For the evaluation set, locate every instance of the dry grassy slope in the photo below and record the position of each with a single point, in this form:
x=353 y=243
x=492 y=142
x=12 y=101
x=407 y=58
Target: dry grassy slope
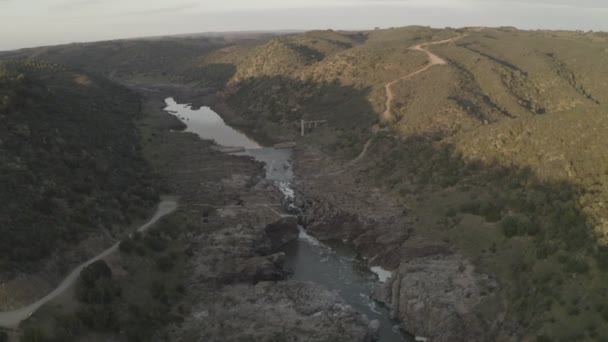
x=523 y=100
x=288 y=55
x=495 y=75
x=568 y=146
x=522 y=72
x=510 y=99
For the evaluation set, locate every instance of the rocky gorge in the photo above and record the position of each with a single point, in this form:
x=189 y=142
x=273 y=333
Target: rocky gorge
x=237 y=283
x=435 y=291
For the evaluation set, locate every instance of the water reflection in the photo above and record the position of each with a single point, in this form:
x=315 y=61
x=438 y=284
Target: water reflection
x=209 y=125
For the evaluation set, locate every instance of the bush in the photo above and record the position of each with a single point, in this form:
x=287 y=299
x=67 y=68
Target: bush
x=33 y=335
x=104 y=291
x=3 y=336
x=491 y=212
x=155 y=243
x=159 y=292
x=126 y=246
x=543 y=338
x=574 y=311
x=98 y=317
x=451 y=212
x=601 y=258
x=96 y=284
x=471 y=207
x=93 y=272
x=514 y=225
x=510 y=226
x=576 y=265
x=165 y=263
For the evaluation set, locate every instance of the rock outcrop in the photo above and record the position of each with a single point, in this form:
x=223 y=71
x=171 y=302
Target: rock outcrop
x=269 y=311
x=281 y=232
x=434 y=291
x=439 y=296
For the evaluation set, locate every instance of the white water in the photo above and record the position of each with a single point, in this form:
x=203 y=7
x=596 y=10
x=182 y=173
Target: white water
x=383 y=275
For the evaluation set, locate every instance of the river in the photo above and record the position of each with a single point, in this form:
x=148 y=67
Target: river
x=334 y=265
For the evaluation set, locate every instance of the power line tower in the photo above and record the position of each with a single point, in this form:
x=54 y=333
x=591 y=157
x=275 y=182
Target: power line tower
x=309 y=124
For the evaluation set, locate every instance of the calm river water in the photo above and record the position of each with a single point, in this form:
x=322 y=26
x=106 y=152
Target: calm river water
x=334 y=265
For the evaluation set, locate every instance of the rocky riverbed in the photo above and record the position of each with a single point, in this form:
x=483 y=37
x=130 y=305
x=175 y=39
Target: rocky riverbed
x=237 y=288
x=434 y=290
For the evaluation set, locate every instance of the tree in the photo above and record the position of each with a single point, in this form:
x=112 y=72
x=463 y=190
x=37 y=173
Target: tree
x=96 y=284
x=93 y=272
x=126 y=246
x=165 y=263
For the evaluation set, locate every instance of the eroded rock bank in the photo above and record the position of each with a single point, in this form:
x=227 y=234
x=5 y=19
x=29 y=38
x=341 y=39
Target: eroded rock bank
x=237 y=288
x=434 y=290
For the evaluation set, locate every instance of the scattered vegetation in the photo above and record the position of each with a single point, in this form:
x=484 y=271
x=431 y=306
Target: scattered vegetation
x=132 y=307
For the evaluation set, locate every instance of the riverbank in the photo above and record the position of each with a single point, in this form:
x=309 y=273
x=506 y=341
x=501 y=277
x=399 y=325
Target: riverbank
x=235 y=274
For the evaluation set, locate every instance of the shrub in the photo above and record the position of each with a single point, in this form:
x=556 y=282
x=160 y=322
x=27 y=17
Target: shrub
x=126 y=246
x=165 y=263
x=573 y=311
x=451 y=212
x=514 y=225
x=602 y=258
x=155 y=243
x=471 y=207
x=576 y=265
x=98 y=317
x=104 y=291
x=96 y=284
x=99 y=269
x=33 y=335
x=510 y=226
x=492 y=212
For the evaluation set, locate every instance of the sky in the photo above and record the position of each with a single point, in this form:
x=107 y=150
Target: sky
x=27 y=23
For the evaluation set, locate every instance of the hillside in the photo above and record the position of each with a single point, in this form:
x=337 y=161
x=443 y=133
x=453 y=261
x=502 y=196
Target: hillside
x=167 y=58
x=500 y=152
x=70 y=165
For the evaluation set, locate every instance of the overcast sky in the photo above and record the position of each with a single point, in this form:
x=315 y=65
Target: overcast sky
x=25 y=23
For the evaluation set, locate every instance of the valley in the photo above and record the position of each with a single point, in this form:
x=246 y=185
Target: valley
x=469 y=163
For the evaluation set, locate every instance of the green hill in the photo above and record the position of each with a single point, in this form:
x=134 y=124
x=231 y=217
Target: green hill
x=70 y=160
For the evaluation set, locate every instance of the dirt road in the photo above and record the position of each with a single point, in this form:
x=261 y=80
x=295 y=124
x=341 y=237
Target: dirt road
x=387 y=116
x=11 y=319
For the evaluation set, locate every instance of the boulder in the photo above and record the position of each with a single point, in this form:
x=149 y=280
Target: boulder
x=281 y=232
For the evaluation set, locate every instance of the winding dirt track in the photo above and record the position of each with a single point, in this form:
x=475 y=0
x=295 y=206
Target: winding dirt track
x=387 y=116
x=11 y=319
